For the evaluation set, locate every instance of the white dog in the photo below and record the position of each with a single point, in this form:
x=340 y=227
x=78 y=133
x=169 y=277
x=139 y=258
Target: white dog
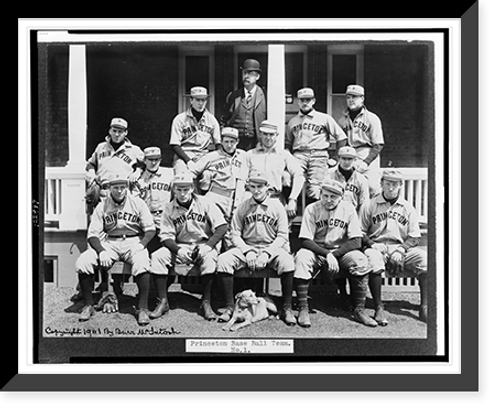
x=249 y=309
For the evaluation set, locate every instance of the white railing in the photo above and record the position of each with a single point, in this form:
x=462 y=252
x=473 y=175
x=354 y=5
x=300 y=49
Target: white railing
x=64 y=203
x=416 y=190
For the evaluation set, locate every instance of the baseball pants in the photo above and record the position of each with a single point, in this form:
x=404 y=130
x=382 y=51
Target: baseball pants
x=415 y=259
x=162 y=259
x=314 y=166
x=307 y=263
x=372 y=174
x=118 y=249
x=234 y=259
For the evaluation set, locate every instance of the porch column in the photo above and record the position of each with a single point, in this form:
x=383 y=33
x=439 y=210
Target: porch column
x=77 y=108
x=276 y=89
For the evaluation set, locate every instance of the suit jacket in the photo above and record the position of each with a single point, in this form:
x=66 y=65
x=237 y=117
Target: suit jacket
x=233 y=101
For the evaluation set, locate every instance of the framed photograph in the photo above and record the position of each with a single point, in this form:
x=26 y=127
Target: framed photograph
x=89 y=81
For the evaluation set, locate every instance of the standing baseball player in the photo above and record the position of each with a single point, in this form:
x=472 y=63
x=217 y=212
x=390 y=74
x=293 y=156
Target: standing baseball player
x=313 y=138
x=279 y=165
x=120 y=229
x=392 y=234
x=155 y=183
x=364 y=132
x=116 y=154
x=356 y=190
x=331 y=238
x=190 y=231
x=260 y=237
x=193 y=131
x=225 y=171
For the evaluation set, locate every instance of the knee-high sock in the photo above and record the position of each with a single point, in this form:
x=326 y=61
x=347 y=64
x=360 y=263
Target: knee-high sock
x=161 y=282
x=302 y=289
x=87 y=286
x=375 y=284
x=287 y=288
x=142 y=281
x=422 y=281
x=207 y=281
x=227 y=282
x=358 y=290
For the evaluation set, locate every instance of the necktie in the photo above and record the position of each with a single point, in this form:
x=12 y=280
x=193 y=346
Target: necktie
x=249 y=98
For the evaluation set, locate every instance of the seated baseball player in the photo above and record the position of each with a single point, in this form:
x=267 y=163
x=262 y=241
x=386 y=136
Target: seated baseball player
x=191 y=229
x=155 y=183
x=225 y=171
x=259 y=232
x=391 y=237
x=120 y=229
x=331 y=240
x=116 y=154
x=280 y=166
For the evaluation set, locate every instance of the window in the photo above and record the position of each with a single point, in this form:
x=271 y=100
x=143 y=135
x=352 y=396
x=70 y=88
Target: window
x=196 y=68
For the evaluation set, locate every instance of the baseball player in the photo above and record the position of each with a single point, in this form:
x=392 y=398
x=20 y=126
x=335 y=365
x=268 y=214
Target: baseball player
x=313 y=137
x=120 y=229
x=364 y=132
x=193 y=131
x=279 y=166
x=190 y=231
x=260 y=238
x=155 y=183
x=116 y=154
x=391 y=235
x=331 y=238
x=225 y=171
x=356 y=190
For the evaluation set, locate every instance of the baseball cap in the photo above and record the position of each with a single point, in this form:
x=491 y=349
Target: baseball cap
x=333 y=185
x=258 y=176
x=392 y=174
x=183 y=177
x=117 y=178
x=268 y=127
x=251 y=65
x=198 y=92
x=355 y=90
x=152 y=152
x=305 y=93
x=347 y=152
x=230 y=132
x=119 y=123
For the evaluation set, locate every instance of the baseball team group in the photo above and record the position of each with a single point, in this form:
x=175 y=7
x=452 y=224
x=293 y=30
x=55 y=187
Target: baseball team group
x=229 y=199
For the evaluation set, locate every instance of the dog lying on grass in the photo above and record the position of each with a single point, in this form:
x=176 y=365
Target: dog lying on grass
x=249 y=309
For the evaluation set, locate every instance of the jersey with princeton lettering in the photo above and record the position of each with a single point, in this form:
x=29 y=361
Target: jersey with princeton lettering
x=194 y=224
x=388 y=223
x=194 y=136
x=364 y=130
x=315 y=130
x=156 y=188
x=105 y=160
x=356 y=189
x=130 y=217
x=330 y=229
x=260 y=224
x=225 y=170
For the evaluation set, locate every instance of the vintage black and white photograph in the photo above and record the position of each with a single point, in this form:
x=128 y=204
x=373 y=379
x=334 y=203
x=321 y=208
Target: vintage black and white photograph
x=247 y=194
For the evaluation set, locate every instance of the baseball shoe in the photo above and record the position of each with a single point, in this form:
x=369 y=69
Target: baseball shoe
x=288 y=317
x=361 y=317
x=161 y=308
x=208 y=313
x=380 y=316
x=226 y=315
x=87 y=312
x=142 y=317
x=304 y=320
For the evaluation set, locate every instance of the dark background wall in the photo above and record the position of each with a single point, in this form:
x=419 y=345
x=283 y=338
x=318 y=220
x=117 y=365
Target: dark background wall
x=139 y=82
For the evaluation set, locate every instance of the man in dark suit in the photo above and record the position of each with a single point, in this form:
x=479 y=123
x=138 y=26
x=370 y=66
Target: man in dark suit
x=245 y=108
